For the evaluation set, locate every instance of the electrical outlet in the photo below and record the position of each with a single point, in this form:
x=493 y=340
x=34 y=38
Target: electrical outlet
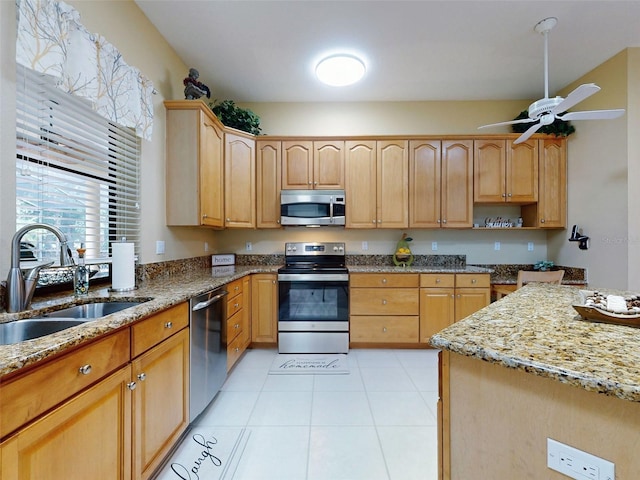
x=577 y=464
x=206 y=246
x=159 y=247
x=248 y=246
x=365 y=246
x=434 y=246
x=496 y=246
x=530 y=246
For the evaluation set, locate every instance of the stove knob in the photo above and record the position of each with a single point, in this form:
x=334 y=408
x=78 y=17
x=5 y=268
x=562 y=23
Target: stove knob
x=335 y=248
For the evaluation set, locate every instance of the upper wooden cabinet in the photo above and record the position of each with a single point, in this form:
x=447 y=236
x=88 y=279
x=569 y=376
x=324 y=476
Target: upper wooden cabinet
x=239 y=180
x=441 y=184
x=310 y=164
x=504 y=172
x=377 y=176
x=551 y=209
x=268 y=183
x=194 y=165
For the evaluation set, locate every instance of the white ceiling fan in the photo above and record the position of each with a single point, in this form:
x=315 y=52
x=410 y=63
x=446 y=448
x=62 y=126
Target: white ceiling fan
x=546 y=110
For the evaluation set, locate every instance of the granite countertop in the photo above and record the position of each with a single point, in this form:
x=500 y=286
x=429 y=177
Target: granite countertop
x=415 y=269
x=157 y=294
x=535 y=329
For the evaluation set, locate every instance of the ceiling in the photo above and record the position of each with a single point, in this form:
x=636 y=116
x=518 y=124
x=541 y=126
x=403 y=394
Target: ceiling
x=265 y=51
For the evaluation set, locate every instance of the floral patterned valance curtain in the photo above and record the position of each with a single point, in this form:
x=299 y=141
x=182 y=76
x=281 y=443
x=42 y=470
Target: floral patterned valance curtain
x=51 y=40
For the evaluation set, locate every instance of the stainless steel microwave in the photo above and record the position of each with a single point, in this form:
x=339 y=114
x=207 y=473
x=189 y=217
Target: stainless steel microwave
x=312 y=208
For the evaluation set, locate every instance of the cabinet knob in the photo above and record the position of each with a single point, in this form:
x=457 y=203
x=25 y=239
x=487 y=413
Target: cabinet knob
x=315 y=183
x=204 y=215
x=452 y=295
x=373 y=221
x=237 y=349
x=473 y=280
x=379 y=221
x=273 y=281
x=509 y=195
x=142 y=376
x=504 y=195
x=236 y=326
x=444 y=221
x=384 y=280
x=85 y=369
x=437 y=280
x=309 y=183
x=384 y=302
x=131 y=385
x=228 y=219
x=542 y=220
x=168 y=325
x=438 y=220
x=384 y=329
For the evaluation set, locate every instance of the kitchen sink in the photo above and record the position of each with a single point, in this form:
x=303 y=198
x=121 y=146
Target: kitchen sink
x=22 y=330
x=58 y=320
x=89 y=310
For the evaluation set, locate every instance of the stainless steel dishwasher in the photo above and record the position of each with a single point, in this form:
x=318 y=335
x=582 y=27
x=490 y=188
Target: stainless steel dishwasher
x=208 y=343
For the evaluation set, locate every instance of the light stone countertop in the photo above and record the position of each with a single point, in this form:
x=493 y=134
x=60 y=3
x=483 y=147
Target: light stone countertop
x=535 y=329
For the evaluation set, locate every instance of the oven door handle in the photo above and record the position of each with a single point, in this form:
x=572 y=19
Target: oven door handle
x=331 y=210
x=313 y=277
x=209 y=302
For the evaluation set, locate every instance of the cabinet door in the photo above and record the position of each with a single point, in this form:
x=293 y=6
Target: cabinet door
x=360 y=184
x=268 y=158
x=489 y=182
x=88 y=436
x=239 y=174
x=437 y=311
x=161 y=402
x=424 y=184
x=264 y=308
x=328 y=165
x=522 y=172
x=457 y=184
x=245 y=334
x=297 y=158
x=211 y=174
x=392 y=184
x=470 y=300
x=552 y=202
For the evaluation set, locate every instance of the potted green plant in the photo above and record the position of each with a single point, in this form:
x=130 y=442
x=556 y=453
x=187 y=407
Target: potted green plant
x=543 y=265
x=235 y=117
x=559 y=128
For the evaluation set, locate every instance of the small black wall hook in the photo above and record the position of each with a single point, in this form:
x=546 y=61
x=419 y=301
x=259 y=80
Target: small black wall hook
x=576 y=236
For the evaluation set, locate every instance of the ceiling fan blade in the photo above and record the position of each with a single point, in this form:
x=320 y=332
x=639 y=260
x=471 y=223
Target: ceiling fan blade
x=592 y=115
x=576 y=96
x=525 y=136
x=512 y=122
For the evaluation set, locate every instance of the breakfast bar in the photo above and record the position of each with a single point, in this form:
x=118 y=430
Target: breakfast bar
x=545 y=372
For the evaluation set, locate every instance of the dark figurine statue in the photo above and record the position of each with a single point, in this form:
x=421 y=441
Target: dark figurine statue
x=193 y=88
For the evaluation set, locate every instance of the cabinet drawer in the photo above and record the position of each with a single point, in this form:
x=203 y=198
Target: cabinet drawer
x=234 y=305
x=388 y=301
x=234 y=350
x=436 y=280
x=234 y=326
x=234 y=288
x=473 y=280
x=28 y=396
x=151 y=331
x=384 y=329
x=384 y=280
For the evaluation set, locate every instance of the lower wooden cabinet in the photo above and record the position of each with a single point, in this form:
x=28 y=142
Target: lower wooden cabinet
x=119 y=423
x=238 y=326
x=160 y=402
x=264 y=308
x=447 y=298
x=383 y=308
x=88 y=436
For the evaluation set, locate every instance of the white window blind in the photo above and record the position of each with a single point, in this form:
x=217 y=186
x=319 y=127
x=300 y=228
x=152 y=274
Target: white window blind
x=74 y=170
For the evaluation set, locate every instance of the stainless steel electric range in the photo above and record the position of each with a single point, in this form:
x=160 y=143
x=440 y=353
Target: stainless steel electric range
x=313 y=292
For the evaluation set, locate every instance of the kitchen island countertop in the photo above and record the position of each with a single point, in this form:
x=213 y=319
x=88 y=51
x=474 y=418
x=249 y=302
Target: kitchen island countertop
x=536 y=330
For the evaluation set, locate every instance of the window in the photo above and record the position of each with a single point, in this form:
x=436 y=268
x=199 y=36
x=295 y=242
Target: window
x=74 y=170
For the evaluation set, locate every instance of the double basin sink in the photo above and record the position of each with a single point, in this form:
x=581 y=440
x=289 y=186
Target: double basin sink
x=58 y=320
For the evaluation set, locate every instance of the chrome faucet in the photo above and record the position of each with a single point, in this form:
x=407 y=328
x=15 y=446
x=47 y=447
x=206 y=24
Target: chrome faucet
x=20 y=288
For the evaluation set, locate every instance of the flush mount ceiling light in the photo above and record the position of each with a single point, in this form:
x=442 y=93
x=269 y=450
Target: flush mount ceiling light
x=340 y=70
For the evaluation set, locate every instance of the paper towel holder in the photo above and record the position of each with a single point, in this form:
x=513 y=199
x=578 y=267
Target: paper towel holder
x=122 y=290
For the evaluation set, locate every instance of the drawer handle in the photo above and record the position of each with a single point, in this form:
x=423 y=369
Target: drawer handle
x=384 y=280
x=237 y=349
x=131 y=385
x=168 y=325
x=237 y=288
x=437 y=280
x=142 y=376
x=473 y=280
x=384 y=302
x=384 y=329
x=236 y=305
x=85 y=369
x=236 y=326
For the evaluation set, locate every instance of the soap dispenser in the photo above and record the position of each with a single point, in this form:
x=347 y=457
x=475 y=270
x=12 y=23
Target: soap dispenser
x=81 y=276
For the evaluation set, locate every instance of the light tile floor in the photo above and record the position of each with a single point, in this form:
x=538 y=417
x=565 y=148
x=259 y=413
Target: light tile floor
x=378 y=422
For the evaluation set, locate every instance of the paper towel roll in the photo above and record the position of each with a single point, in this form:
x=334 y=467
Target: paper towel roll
x=122 y=266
